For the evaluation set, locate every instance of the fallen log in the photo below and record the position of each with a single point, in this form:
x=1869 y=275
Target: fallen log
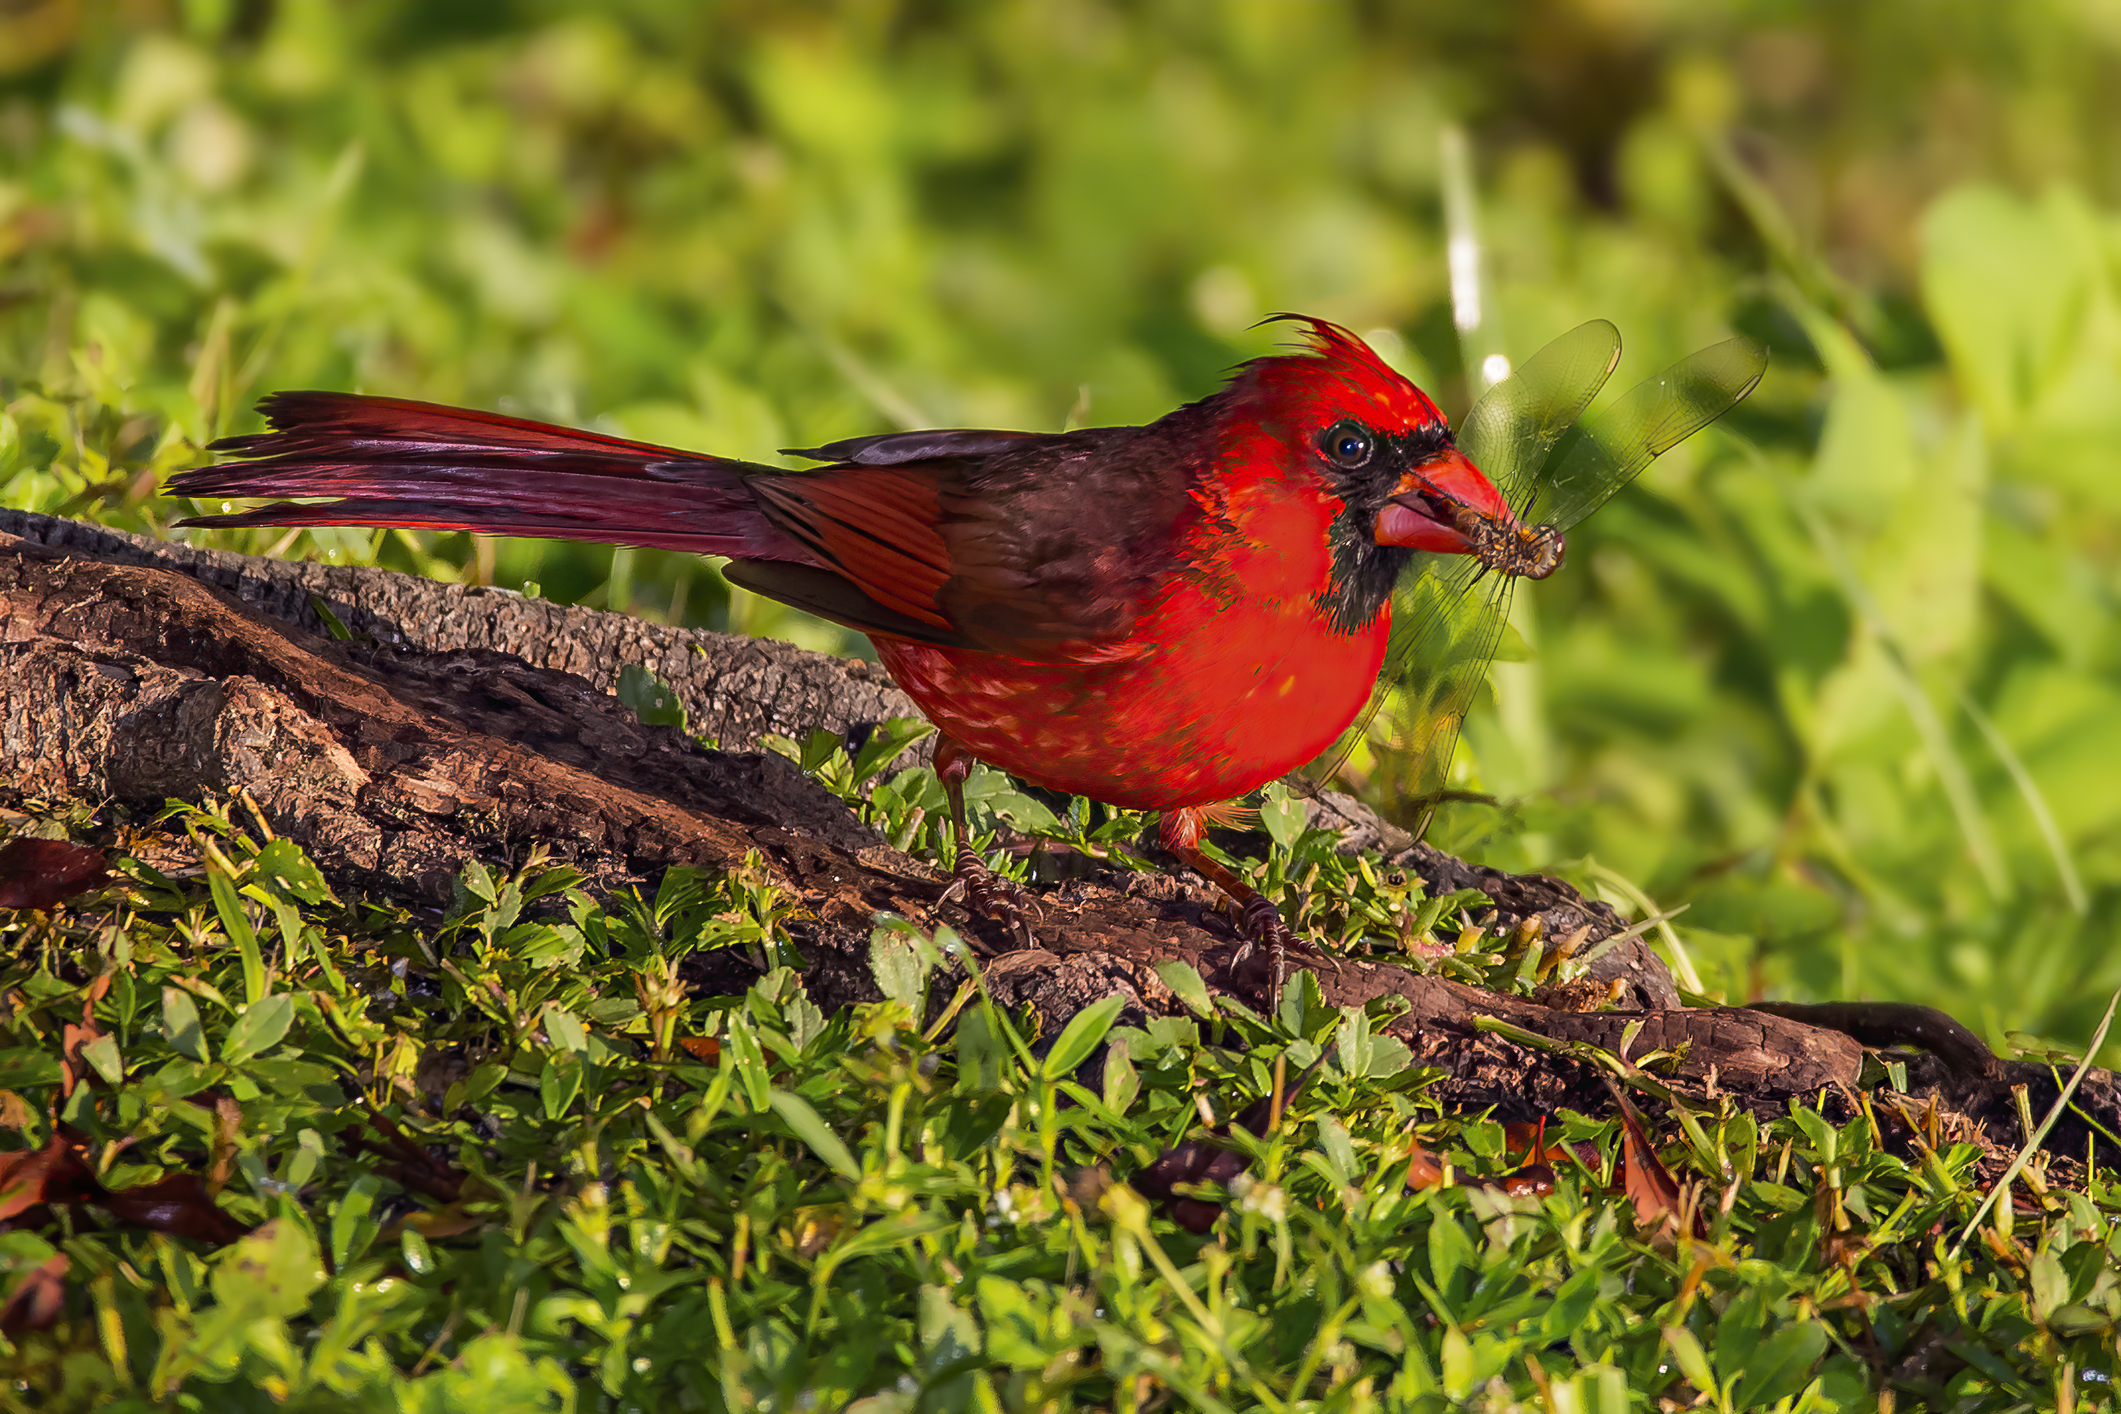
x=462 y=723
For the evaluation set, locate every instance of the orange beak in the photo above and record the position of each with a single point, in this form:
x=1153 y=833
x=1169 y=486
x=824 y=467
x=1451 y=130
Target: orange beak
x=1436 y=502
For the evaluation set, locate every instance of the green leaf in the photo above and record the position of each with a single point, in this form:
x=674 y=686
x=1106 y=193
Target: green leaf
x=477 y=882
x=1186 y=983
x=743 y=1052
x=1339 y=1150
x=982 y=1056
x=565 y=1029
x=2007 y=281
x=23 y=1068
x=290 y=873
x=1457 y=1360
x=650 y=698
x=269 y=1273
x=796 y=1113
x=333 y=624
x=1826 y=1140
x=290 y=920
x=1433 y=910
x=818 y=748
x=549 y=945
x=1282 y=815
x=1688 y=1355
x=1302 y=1004
x=891 y=1234
x=1084 y=1031
x=474 y=1087
x=559 y=1083
x=1027 y=813
x=418 y=1254
x=1781 y=1365
x=229 y=905
x=887 y=742
x=2048 y=1283
x=1122 y=1081
x=1738 y=1329
x=102 y=1053
x=180 y=1018
x=901 y=971
x=2075 y=1321
x=1388 y=1057
x=1450 y=1253
x=1354 y=1042
x=1510 y=646
x=1012 y=1325
x=259 y=1028
x=294 y=1078
x=351 y=1227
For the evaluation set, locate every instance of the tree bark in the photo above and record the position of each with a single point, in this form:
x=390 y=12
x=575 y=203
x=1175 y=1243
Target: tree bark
x=463 y=722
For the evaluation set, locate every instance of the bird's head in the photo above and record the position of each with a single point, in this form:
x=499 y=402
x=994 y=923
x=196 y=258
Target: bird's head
x=1386 y=454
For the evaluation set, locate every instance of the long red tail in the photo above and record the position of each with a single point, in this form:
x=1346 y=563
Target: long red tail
x=397 y=463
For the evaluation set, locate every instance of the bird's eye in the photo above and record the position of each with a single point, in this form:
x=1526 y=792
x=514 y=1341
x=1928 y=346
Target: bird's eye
x=1347 y=445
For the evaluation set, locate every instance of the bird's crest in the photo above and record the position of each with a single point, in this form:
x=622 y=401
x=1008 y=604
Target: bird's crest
x=1384 y=397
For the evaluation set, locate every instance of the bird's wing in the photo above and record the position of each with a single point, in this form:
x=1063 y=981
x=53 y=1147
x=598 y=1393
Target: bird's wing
x=1047 y=547
x=898 y=448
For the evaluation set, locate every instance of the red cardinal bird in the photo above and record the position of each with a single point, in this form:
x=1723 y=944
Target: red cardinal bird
x=1162 y=617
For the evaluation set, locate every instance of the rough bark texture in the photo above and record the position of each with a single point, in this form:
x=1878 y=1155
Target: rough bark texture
x=475 y=723
x=736 y=689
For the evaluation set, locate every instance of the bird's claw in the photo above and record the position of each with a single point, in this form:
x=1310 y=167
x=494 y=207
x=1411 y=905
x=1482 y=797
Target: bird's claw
x=1264 y=959
x=989 y=895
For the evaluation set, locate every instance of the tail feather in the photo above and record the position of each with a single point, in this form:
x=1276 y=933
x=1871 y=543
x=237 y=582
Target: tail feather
x=398 y=463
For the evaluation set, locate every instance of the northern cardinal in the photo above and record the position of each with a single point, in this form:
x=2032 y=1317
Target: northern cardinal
x=1162 y=618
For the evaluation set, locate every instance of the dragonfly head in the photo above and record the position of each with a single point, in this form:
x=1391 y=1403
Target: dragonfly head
x=1443 y=504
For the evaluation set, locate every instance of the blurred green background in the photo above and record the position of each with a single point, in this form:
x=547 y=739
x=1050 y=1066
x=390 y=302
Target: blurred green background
x=1841 y=673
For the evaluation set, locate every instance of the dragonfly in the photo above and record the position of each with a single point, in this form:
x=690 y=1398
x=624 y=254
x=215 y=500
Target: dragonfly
x=1555 y=466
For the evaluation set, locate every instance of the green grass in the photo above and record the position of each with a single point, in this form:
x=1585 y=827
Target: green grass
x=507 y=1156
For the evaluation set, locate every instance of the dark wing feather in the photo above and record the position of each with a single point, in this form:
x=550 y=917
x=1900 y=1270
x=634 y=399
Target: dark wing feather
x=1049 y=548
x=898 y=448
x=1066 y=544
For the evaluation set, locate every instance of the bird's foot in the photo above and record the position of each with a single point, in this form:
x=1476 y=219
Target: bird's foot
x=989 y=895
x=1263 y=961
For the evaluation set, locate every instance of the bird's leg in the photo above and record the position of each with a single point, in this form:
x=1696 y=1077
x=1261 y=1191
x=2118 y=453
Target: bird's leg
x=985 y=893
x=1179 y=832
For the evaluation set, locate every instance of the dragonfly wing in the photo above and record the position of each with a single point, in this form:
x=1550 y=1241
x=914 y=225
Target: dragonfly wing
x=1442 y=634
x=1520 y=434
x=1515 y=424
x=1608 y=450
x=1444 y=631
x=1454 y=629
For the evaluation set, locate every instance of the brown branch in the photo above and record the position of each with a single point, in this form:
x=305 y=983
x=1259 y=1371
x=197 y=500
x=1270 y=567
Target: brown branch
x=475 y=723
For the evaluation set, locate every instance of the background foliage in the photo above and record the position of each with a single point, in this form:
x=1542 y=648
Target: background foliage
x=1842 y=674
